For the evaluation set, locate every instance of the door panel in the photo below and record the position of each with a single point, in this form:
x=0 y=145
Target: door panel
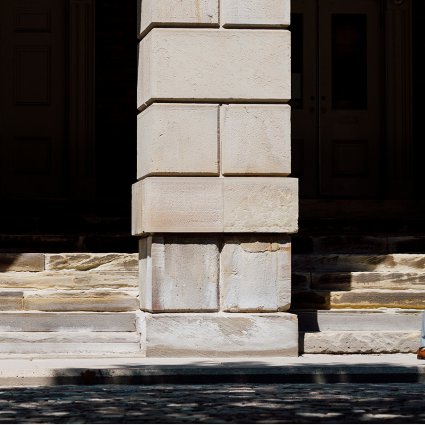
x=33 y=94
x=337 y=126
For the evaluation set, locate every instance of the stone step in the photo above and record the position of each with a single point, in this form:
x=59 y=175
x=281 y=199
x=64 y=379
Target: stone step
x=67 y=322
x=72 y=300
x=358 y=299
x=359 y=342
x=359 y=320
x=399 y=263
x=69 y=342
x=358 y=244
x=345 y=281
x=63 y=280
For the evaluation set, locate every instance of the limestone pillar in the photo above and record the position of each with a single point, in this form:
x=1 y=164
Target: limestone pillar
x=213 y=205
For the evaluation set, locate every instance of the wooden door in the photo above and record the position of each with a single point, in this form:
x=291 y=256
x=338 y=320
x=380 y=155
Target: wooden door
x=47 y=102
x=32 y=91
x=337 y=95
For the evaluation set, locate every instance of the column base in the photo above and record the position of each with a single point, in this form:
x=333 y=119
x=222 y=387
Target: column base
x=219 y=335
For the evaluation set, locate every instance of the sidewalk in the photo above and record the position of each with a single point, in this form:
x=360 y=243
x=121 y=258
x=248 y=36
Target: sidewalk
x=52 y=370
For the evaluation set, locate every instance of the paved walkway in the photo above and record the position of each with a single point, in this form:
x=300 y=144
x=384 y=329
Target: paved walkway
x=220 y=403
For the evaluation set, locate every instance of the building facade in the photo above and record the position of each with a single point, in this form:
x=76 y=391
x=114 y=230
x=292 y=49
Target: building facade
x=275 y=165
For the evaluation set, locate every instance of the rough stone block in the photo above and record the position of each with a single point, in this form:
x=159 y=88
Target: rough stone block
x=177 y=204
x=67 y=322
x=177 y=139
x=221 y=335
x=266 y=13
x=11 y=301
x=360 y=342
x=260 y=204
x=172 y=12
x=208 y=204
x=81 y=301
x=255 y=274
x=179 y=273
x=21 y=262
x=92 y=262
x=256 y=139
x=221 y=65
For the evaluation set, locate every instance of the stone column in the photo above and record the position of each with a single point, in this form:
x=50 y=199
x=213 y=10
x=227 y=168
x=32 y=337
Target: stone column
x=213 y=205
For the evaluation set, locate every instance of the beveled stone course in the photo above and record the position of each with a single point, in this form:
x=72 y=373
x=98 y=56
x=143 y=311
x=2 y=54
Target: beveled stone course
x=221 y=335
x=179 y=273
x=256 y=139
x=178 y=139
x=264 y=13
x=255 y=274
x=178 y=13
x=220 y=65
x=213 y=205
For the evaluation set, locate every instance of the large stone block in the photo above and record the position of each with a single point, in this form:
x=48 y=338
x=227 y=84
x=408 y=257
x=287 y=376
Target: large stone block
x=177 y=139
x=266 y=13
x=177 y=12
x=260 y=204
x=209 y=204
x=221 y=335
x=190 y=64
x=179 y=273
x=177 y=205
x=255 y=274
x=256 y=139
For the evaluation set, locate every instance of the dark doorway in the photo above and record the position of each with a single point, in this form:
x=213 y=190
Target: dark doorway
x=68 y=127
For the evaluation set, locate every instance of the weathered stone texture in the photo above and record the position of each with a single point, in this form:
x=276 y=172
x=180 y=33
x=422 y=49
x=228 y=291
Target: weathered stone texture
x=81 y=301
x=71 y=281
x=179 y=273
x=92 y=262
x=213 y=335
x=260 y=204
x=240 y=13
x=11 y=301
x=360 y=342
x=171 y=12
x=256 y=139
x=67 y=322
x=220 y=65
x=255 y=274
x=21 y=262
x=177 y=139
x=204 y=205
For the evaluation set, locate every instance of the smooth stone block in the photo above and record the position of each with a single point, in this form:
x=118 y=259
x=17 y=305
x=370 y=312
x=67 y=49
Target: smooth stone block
x=255 y=274
x=256 y=139
x=179 y=273
x=177 y=139
x=221 y=335
x=210 y=204
x=177 y=205
x=260 y=204
x=174 y=12
x=191 y=64
x=266 y=13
